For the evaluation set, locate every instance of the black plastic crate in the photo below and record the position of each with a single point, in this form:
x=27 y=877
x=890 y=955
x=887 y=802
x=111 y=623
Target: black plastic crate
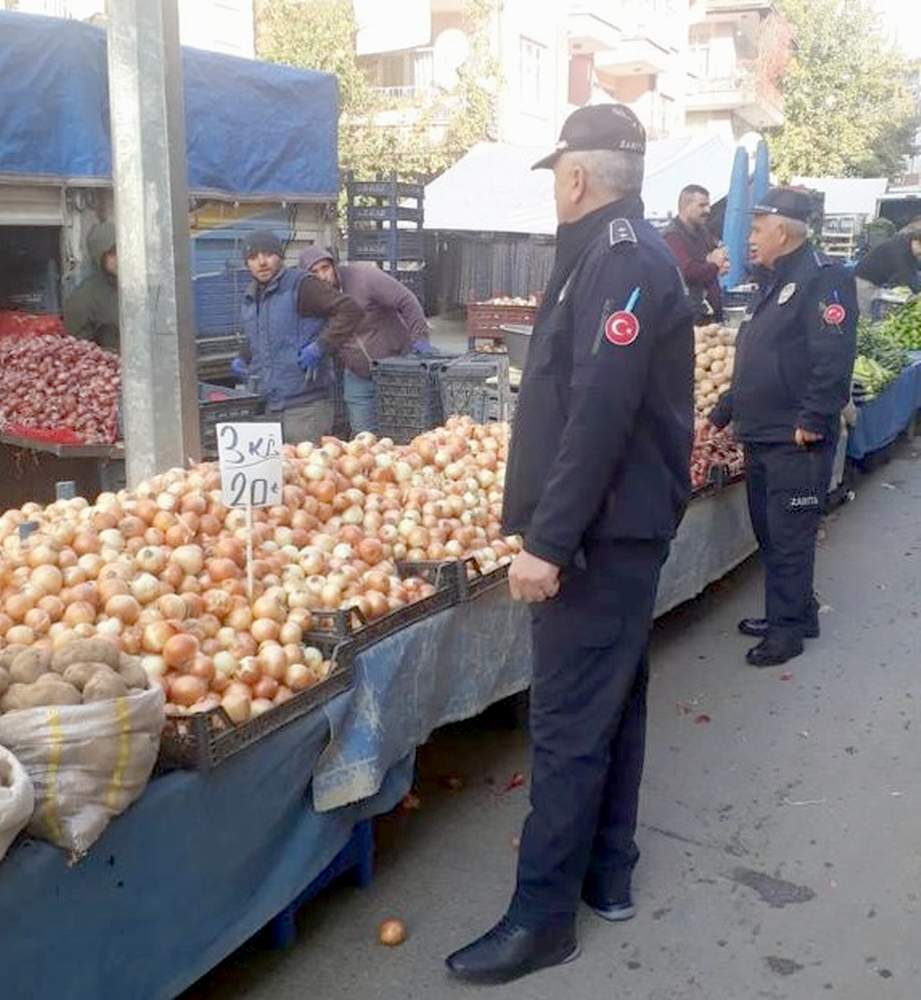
x=469 y=579
x=337 y=626
x=236 y=405
x=386 y=245
x=476 y=385
x=408 y=396
x=414 y=280
x=385 y=189
x=385 y=213
x=202 y=741
x=741 y=297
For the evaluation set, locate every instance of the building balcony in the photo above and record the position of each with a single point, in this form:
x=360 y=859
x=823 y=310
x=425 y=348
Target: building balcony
x=633 y=57
x=755 y=101
x=592 y=28
x=406 y=94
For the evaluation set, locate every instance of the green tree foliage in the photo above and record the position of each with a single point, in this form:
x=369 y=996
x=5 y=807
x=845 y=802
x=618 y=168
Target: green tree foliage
x=377 y=136
x=849 y=111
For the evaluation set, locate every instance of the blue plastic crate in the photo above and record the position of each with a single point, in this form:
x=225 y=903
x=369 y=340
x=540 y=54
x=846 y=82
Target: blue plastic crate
x=356 y=859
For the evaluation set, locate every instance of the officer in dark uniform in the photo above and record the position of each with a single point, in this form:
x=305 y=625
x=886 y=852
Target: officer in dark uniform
x=597 y=482
x=792 y=377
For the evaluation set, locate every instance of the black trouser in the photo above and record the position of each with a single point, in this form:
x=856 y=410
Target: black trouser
x=787 y=492
x=588 y=729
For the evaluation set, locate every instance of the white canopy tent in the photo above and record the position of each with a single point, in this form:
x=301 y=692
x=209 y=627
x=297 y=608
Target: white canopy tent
x=493 y=189
x=847 y=195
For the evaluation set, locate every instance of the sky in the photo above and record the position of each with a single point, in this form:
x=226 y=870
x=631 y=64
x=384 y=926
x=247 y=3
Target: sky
x=903 y=20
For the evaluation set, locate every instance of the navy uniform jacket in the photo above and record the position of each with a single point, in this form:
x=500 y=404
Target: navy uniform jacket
x=795 y=355
x=604 y=423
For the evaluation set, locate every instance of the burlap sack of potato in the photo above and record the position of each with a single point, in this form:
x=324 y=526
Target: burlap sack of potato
x=87 y=763
x=16 y=799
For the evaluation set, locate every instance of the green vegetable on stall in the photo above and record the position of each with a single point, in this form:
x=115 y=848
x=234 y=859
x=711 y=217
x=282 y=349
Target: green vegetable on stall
x=880 y=344
x=870 y=378
x=904 y=325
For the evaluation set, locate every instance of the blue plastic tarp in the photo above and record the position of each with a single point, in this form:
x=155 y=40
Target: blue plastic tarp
x=253 y=129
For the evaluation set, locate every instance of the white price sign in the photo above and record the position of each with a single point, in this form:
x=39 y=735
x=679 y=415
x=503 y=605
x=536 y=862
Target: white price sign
x=251 y=467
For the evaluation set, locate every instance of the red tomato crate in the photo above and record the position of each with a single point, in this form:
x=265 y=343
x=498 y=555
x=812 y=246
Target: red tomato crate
x=485 y=319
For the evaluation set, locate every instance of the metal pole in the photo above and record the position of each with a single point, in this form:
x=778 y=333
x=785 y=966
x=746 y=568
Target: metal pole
x=160 y=399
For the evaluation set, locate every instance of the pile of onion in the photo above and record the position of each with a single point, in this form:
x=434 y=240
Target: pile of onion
x=163 y=568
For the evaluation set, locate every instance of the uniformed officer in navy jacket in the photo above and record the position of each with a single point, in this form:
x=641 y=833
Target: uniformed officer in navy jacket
x=597 y=482
x=792 y=378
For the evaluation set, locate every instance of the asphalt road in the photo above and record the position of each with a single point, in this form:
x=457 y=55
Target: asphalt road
x=780 y=821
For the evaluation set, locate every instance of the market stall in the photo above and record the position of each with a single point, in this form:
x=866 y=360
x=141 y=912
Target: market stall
x=887 y=380
x=434 y=652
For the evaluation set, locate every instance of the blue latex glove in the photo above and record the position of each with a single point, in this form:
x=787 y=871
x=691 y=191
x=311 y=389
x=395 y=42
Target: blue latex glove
x=240 y=368
x=423 y=347
x=310 y=356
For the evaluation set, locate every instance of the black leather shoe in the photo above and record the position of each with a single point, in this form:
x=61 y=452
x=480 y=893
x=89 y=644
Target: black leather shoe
x=771 y=652
x=614 y=910
x=510 y=951
x=758 y=628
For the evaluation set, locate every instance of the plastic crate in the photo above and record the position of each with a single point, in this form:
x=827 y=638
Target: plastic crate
x=353 y=627
x=356 y=860
x=385 y=213
x=386 y=244
x=408 y=396
x=477 y=386
x=486 y=319
x=202 y=741
x=234 y=405
x=470 y=580
x=740 y=297
x=385 y=189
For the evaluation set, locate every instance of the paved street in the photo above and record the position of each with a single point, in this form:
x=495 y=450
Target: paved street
x=781 y=814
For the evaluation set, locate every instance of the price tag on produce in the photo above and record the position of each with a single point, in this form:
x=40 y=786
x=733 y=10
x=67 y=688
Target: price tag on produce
x=250 y=461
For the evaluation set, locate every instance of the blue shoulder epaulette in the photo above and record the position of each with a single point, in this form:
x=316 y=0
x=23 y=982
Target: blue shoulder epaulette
x=621 y=231
x=821 y=259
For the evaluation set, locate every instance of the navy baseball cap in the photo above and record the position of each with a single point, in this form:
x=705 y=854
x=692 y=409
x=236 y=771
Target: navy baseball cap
x=600 y=126
x=794 y=203
x=262 y=241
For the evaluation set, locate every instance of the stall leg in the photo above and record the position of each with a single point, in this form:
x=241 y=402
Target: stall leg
x=355 y=859
x=364 y=844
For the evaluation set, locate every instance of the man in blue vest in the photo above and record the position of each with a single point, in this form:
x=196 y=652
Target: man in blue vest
x=294 y=323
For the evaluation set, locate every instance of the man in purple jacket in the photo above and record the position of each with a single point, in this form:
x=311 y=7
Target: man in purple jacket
x=394 y=324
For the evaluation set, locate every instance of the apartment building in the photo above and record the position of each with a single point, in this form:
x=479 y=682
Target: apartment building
x=737 y=52
x=682 y=65
x=411 y=50
x=224 y=26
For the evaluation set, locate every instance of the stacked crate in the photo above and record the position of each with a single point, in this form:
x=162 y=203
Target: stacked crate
x=385 y=228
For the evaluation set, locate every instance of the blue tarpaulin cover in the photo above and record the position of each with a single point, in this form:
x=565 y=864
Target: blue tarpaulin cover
x=253 y=129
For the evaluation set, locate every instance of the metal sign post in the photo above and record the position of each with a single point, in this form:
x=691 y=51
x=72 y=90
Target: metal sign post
x=156 y=321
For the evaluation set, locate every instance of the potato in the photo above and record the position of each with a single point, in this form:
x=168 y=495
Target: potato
x=4 y=680
x=10 y=653
x=104 y=687
x=716 y=368
x=79 y=674
x=131 y=671
x=29 y=665
x=85 y=651
x=49 y=689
